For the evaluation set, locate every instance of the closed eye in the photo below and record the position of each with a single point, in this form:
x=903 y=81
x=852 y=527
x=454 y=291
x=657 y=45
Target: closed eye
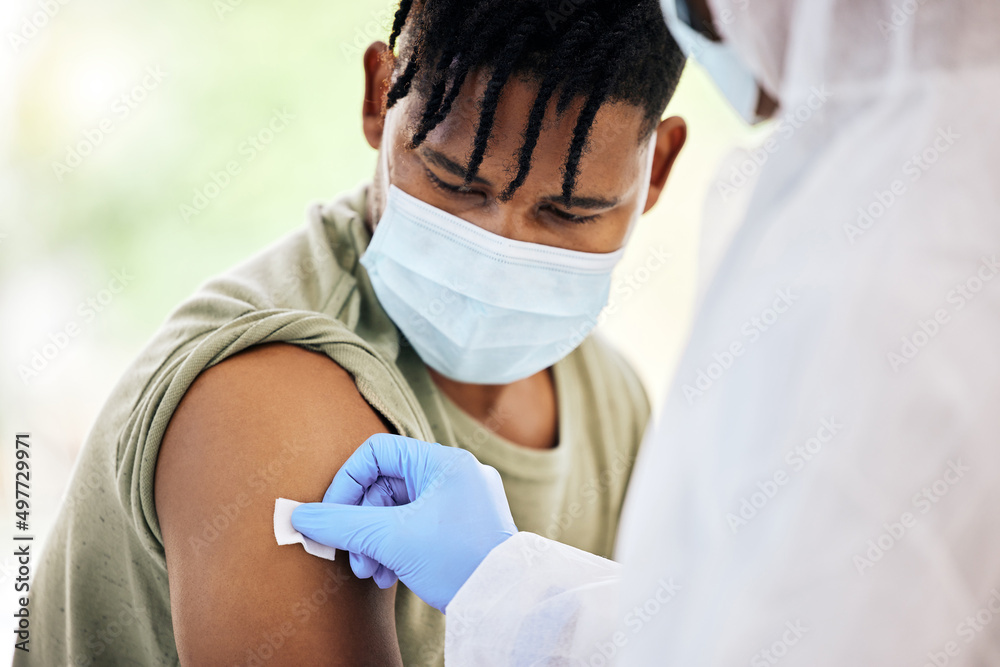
x=448 y=187
x=569 y=217
x=462 y=190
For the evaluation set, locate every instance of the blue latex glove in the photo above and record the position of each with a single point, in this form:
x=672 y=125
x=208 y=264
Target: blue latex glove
x=426 y=513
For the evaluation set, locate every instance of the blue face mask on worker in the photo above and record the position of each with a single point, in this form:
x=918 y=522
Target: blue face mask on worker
x=721 y=62
x=478 y=307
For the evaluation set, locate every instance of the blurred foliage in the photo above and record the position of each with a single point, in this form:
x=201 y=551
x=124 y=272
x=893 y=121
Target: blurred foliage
x=226 y=66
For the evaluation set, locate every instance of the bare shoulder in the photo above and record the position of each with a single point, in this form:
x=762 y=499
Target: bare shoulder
x=273 y=421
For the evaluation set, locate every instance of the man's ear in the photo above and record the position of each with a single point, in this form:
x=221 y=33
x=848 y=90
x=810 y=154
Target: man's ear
x=378 y=71
x=671 y=134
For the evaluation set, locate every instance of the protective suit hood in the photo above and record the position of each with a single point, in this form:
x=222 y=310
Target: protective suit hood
x=858 y=48
x=818 y=488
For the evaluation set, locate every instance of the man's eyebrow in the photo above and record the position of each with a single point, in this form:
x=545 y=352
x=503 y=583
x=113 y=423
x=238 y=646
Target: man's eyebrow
x=583 y=202
x=449 y=165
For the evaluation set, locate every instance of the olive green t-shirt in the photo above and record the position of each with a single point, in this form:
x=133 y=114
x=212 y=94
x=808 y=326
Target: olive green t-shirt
x=101 y=593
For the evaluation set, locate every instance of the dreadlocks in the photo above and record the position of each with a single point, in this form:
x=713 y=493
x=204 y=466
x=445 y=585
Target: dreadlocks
x=600 y=50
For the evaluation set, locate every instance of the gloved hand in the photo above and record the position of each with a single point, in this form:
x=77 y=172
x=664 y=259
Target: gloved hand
x=433 y=513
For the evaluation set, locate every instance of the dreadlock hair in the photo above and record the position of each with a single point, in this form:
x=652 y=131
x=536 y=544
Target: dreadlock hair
x=599 y=50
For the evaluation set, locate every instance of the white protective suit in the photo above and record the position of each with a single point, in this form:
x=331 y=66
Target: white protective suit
x=823 y=487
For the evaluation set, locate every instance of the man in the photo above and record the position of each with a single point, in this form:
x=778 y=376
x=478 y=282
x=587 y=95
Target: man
x=518 y=144
x=820 y=487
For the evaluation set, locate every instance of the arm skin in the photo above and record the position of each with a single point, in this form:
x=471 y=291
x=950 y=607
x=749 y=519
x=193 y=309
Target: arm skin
x=273 y=421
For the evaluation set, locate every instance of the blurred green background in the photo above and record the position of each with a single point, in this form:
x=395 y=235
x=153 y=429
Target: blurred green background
x=114 y=116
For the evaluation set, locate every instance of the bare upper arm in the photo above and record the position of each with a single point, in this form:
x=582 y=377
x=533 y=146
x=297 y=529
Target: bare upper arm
x=275 y=420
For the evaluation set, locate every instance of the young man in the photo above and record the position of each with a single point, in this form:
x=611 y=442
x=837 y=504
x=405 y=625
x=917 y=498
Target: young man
x=518 y=144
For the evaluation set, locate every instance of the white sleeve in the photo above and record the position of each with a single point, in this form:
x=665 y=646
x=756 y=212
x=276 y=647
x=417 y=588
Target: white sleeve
x=533 y=601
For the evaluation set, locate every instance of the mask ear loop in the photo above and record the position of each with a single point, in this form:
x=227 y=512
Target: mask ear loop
x=383 y=157
x=646 y=174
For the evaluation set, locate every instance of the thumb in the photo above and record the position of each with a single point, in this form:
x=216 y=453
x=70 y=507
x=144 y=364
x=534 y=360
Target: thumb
x=350 y=528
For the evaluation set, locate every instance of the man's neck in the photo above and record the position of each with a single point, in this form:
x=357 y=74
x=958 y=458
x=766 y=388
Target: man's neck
x=524 y=412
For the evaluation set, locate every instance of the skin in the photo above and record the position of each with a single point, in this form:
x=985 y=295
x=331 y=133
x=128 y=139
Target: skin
x=609 y=171
x=273 y=421
x=279 y=421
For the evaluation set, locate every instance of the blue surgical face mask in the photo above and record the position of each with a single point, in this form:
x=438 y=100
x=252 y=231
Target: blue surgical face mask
x=478 y=307
x=733 y=78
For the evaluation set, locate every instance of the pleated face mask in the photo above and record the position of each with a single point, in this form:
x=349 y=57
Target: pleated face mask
x=720 y=60
x=478 y=307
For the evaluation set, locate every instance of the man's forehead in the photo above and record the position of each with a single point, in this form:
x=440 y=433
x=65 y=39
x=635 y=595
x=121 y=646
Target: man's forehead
x=607 y=169
x=584 y=200
x=617 y=125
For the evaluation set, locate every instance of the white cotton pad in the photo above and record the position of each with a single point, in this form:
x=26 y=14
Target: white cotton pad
x=286 y=534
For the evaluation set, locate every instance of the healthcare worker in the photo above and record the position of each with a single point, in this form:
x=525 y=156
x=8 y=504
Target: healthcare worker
x=822 y=486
